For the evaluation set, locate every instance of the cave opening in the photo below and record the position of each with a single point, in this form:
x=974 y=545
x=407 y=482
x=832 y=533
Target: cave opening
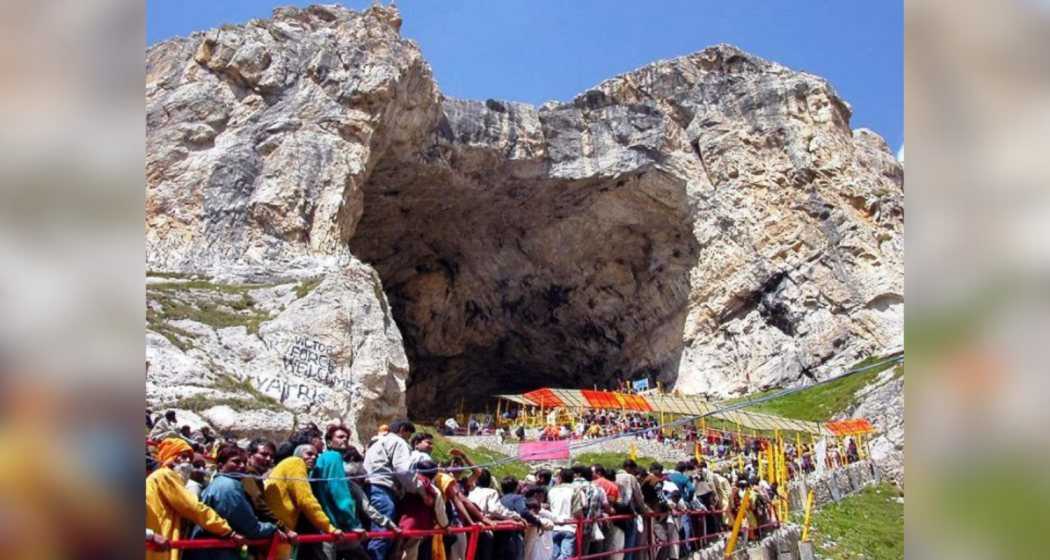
x=503 y=279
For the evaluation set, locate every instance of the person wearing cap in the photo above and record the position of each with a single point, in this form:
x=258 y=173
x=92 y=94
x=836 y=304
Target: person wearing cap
x=168 y=502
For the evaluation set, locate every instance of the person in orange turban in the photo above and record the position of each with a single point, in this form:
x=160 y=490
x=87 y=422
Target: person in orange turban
x=171 y=448
x=168 y=501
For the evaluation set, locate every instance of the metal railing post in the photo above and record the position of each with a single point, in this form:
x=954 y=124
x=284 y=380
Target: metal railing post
x=472 y=541
x=650 y=536
x=648 y=550
x=579 y=536
x=271 y=551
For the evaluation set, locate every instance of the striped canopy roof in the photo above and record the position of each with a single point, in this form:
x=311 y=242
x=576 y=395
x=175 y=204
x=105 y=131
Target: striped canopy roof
x=671 y=404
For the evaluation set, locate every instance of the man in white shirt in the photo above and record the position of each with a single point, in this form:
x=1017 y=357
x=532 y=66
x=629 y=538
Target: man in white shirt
x=487 y=499
x=566 y=504
x=630 y=501
x=422 y=444
x=451 y=425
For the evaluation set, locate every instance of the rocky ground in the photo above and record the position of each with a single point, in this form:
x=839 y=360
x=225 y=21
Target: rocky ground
x=367 y=247
x=882 y=402
x=261 y=352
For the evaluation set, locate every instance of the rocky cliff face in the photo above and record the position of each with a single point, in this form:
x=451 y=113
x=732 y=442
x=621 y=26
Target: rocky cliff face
x=711 y=219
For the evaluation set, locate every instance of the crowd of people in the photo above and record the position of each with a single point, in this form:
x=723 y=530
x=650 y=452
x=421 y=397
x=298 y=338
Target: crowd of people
x=714 y=444
x=200 y=485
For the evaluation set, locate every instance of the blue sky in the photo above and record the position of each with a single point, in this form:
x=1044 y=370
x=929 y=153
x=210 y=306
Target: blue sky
x=538 y=50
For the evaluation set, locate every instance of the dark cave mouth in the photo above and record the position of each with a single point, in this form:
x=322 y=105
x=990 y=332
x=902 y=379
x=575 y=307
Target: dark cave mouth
x=503 y=285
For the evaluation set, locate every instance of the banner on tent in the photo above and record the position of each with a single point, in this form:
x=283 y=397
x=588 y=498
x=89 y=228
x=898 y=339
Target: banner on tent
x=544 y=450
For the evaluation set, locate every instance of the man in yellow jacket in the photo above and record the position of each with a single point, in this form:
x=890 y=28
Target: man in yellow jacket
x=168 y=502
x=288 y=493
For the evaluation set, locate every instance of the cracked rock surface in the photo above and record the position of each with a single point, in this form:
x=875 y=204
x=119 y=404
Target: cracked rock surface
x=711 y=220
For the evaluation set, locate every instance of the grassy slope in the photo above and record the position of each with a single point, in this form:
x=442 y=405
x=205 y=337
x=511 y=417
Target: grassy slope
x=816 y=404
x=615 y=460
x=821 y=403
x=868 y=525
x=480 y=455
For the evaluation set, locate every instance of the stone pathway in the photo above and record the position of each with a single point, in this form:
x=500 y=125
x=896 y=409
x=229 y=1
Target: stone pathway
x=667 y=453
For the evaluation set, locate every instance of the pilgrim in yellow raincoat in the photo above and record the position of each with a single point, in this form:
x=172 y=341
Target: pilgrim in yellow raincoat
x=288 y=492
x=168 y=503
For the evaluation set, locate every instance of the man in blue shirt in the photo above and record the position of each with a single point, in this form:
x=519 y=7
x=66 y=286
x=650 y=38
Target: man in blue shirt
x=332 y=488
x=226 y=496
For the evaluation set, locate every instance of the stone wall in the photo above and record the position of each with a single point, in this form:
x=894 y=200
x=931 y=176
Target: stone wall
x=832 y=486
x=782 y=544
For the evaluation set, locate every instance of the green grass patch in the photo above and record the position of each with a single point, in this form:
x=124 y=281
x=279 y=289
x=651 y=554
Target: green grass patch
x=227 y=382
x=200 y=403
x=173 y=275
x=614 y=461
x=822 y=402
x=199 y=284
x=253 y=399
x=181 y=338
x=443 y=445
x=869 y=524
x=306 y=286
x=226 y=312
x=519 y=469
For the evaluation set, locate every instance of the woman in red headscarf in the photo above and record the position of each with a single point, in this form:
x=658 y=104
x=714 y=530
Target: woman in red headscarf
x=168 y=501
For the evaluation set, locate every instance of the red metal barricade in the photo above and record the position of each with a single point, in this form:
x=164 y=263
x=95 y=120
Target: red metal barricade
x=474 y=531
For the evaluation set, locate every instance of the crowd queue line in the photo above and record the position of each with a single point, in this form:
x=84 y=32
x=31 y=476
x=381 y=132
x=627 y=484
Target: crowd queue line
x=316 y=496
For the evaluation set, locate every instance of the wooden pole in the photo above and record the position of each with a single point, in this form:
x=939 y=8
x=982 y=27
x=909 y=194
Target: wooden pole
x=769 y=473
x=798 y=453
x=805 y=521
x=731 y=544
x=782 y=488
